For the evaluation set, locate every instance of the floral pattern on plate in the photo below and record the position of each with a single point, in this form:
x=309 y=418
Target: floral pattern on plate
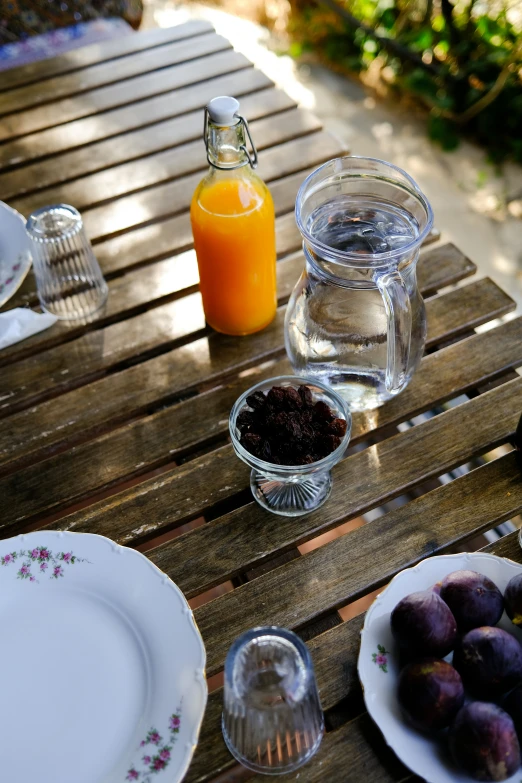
x=157 y=758
x=380 y=659
x=42 y=560
x=11 y=274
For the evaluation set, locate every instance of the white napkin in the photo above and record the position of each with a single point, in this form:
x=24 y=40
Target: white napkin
x=20 y=323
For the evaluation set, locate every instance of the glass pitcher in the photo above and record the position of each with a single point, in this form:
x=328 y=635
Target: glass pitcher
x=356 y=319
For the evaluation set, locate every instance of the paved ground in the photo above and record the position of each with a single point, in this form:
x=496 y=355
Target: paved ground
x=475 y=206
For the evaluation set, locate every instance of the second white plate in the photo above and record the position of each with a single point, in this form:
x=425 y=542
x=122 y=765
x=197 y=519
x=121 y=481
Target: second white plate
x=378 y=661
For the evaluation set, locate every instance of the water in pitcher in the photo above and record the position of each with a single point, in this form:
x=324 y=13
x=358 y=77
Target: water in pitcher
x=337 y=331
x=362 y=226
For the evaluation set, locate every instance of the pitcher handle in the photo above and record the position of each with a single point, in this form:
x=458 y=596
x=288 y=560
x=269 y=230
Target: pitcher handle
x=398 y=311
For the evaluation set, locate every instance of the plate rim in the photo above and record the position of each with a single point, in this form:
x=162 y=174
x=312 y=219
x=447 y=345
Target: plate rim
x=201 y=678
x=401 y=752
x=14 y=212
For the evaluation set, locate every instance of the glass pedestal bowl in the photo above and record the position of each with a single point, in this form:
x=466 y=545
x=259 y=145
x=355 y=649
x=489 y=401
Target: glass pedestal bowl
x=291 y=490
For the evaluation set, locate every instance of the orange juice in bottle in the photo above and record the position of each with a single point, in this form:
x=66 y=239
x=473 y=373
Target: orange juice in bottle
x=232 y=215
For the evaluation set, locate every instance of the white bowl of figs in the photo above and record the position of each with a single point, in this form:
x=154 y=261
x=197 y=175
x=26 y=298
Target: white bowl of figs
x=441 y=668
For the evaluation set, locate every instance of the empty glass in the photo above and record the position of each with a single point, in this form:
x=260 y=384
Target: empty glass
x=272 y=718
x=68 y=277
x=356 y=319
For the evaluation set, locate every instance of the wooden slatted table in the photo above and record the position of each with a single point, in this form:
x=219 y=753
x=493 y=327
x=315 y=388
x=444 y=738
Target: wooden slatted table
x=119 y=426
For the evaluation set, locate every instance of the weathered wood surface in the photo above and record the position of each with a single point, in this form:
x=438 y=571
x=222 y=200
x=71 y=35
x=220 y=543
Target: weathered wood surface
x=93 y=191
x=224 y=69
x=86 y=408
x=167 y=78
x=157 y=330
x=116 y=71
x=98 y=53
x=140 y=446
x=37 y=431
x=129 y=147
x=393 y=467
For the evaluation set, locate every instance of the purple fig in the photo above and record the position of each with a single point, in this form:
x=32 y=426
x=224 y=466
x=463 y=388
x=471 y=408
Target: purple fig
x=484 y=743
x=489 y=660
x=473 y=598
x=513 y=599
x=430 y=693
x=513 y=706
x=424 y=626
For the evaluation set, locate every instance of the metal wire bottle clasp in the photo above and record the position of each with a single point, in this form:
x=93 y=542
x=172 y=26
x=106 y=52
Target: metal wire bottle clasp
x=252 y=159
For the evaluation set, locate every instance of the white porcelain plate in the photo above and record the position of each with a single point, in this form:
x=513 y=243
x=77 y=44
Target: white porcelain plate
x=15 y=252
x=378 y=661
x=102 y=668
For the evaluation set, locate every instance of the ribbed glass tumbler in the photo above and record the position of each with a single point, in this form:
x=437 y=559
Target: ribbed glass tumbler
x=68 y=277
x=272 y=717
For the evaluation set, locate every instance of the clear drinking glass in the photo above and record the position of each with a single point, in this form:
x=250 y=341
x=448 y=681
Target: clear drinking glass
x=68 y=277
x=356 y=319
x=272 y=718
x=291 y=490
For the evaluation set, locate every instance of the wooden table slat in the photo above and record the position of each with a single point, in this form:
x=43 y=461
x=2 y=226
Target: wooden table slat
x=171 y=236
x=56 y=88
x=100 y=52
x=165 y=200
x=197 y=486
x=210 y=51
x=232 y=72
x=131 y=146
x=36 y=431
x=165 y=238
x=91 y=194
x=160 y=285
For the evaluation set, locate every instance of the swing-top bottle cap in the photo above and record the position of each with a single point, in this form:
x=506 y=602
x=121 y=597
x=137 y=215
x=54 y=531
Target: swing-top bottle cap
x=223 y=110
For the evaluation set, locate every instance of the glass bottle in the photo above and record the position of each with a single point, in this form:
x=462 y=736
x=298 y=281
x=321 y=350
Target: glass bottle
x=233 y=223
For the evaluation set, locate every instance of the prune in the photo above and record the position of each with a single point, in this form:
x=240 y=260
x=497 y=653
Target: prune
x=245 y=419
x=251 y=442
x=293 y=400
x=322 y=412
x=325 y=444
x=483 y=742
x=307 y=432
x=513 y=599
x=287 y=428
x=256 y=400
x=265 y=451
x=306 y=396
x=276 y=397
x=489 y=660
x=430 y=693
x=337 y=427
x=423 y=625
x=306 y=414
x=473 y=598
